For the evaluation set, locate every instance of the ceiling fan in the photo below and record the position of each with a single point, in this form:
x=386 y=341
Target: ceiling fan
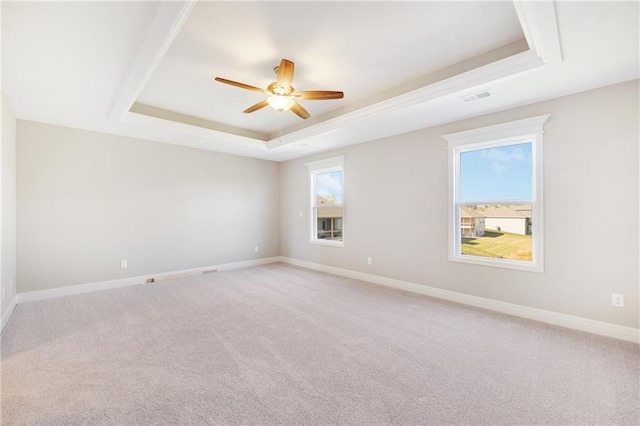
x=282 y=94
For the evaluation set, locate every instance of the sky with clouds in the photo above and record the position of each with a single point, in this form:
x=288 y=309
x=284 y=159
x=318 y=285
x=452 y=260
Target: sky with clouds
x=329 y=185
x=503 y=173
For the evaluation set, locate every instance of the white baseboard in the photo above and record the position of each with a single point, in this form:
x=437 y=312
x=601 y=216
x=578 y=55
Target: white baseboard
x=7 y=314
x=569 y=321
x=32 y=296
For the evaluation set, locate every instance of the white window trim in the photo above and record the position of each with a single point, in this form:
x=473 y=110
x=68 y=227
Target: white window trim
x=529 y=129
x=323 y=166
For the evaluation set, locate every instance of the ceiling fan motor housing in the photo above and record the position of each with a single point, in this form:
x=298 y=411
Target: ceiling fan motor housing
x=280 y=90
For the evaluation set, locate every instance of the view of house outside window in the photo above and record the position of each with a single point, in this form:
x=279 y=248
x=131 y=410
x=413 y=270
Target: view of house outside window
x=496 y=195
x=327 y=201
x=329 y=205
x=495 y=202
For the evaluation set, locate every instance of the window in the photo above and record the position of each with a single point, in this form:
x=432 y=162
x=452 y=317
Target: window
x=495 y=195
x=327 y=201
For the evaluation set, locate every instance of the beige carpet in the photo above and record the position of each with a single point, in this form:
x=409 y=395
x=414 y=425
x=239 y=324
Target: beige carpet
x=277 y=344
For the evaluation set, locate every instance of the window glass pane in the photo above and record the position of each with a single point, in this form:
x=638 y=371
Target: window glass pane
x=329 y=188
x=329 y=223
x=502 y=173
x=498 y=231
x=495 y=202
x=327 y=199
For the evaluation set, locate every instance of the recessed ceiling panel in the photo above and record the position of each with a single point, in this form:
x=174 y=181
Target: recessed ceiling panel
x=360 y=48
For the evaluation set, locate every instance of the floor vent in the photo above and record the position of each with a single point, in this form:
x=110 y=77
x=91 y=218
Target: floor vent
x=176 y=276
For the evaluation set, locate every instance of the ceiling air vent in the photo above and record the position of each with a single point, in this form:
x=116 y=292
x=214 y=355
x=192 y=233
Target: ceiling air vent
x=479 y=95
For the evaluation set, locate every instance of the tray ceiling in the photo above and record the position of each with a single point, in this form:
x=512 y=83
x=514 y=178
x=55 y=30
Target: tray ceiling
x=146 y=69
x=362 y=49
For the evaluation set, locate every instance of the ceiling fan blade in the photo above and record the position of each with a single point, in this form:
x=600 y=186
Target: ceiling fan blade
x=299 y=111
x=256 y=107
x=241 y=85
x=285 y=73
x=318 y=95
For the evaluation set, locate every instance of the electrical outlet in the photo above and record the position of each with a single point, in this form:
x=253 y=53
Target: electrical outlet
x=617 y=300
x=256 y=249
x=123 y=263
x=369 y=261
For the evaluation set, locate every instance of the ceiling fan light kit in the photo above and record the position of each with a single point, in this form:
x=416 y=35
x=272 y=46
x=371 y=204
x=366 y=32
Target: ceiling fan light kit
x=280 y=102
x=282 y=94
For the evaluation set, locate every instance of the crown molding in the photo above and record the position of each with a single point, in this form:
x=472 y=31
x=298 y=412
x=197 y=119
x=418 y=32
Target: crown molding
x=200 y=130
x=167 y=24
x=483 y=75
x=541 y=46
x=540 y=27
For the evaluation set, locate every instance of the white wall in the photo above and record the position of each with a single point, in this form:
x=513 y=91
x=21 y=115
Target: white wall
x=87 y=200
x=591 y=178
x=8 y=207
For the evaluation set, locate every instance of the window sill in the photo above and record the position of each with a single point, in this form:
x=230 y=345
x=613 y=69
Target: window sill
x=499 y=263
x=329 y=243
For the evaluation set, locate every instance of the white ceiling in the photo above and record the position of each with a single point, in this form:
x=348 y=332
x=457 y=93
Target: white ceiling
x=146 y=69
x=358 y=48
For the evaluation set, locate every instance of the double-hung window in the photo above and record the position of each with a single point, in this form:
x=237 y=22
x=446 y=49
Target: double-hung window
x=495 y=195
x=327 y=201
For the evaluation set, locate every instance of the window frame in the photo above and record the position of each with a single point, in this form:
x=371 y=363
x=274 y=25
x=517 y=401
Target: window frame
x=505 y=134
x=315 y=168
